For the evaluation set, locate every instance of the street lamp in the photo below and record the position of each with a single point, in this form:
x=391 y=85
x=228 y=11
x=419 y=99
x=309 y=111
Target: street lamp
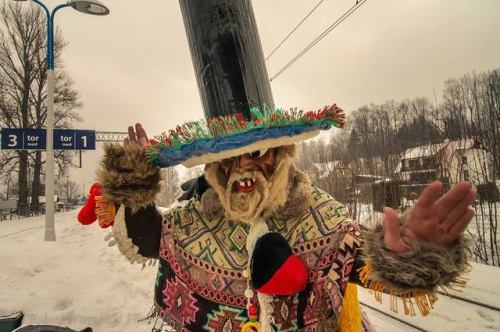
x=93 y=7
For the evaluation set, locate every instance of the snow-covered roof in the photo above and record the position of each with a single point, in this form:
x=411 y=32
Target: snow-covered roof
x=370 y=178
x=447 y=147
x=422 y=151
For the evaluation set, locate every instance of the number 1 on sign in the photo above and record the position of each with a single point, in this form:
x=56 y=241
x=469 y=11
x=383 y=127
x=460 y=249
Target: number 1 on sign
x=84 y=139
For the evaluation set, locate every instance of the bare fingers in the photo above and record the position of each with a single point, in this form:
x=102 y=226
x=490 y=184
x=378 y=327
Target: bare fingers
x=458 y=210
x=392 y=232
x=142 y=137
x=449 y=200
x=461 y=223
x=426 y=200
x=131 y=135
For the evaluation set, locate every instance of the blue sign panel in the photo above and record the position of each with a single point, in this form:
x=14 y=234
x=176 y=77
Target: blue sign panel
x=64 y=139
x=12 y=139
x=35 y=139
x=85 y=140
x=24 y=139
x=69 y=139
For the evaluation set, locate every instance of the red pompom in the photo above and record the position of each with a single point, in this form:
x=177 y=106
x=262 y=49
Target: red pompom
x=87 y=214
x=290 y=279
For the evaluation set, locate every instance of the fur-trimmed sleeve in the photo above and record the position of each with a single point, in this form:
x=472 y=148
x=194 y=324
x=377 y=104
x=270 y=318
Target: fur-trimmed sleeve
x=415 y=275
x=126 y=177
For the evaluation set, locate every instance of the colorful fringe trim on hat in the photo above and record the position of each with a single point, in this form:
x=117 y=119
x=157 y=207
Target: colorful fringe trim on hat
x=233 y=131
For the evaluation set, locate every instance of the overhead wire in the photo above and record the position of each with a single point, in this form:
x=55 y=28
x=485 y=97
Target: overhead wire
x=335 y=24
x=294 y=29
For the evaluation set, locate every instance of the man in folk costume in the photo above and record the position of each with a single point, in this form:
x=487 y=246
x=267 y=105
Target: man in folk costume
x=258 y=247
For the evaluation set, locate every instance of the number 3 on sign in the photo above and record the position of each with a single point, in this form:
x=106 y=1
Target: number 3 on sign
x=12 y=141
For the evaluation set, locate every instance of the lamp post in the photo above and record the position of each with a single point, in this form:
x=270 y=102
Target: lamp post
x=93 y=7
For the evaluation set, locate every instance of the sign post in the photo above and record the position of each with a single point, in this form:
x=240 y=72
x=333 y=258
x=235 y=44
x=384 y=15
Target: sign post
x=48 y=140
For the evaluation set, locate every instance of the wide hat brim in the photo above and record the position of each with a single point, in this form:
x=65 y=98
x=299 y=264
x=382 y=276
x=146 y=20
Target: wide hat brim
x=198 y=143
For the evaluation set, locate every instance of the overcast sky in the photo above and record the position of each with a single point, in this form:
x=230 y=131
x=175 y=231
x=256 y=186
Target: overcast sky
x=134 y=65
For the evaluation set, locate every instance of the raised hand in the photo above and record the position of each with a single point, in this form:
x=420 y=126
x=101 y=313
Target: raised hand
x=434 y=219
x=137 y=136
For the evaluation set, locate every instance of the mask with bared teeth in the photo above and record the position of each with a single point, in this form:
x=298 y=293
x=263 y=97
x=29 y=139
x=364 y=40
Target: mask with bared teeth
x=252 y=184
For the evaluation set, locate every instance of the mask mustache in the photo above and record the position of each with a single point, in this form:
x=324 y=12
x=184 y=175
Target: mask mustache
x=235 y=176
x=247 y=206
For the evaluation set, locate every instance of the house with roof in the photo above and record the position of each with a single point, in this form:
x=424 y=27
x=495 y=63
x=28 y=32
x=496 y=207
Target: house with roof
x=449 y=161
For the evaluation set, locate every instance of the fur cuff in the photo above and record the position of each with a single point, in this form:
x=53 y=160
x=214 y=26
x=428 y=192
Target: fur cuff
x=127 y=177
x=425 y=267
x=413 y=276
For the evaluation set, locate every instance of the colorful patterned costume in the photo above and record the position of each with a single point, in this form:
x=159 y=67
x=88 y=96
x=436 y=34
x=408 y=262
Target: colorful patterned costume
x=200 y=283
x=202 y=258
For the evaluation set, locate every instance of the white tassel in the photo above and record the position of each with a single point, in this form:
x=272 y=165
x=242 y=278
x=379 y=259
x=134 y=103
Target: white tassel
x=266 y=312
x=257 y=229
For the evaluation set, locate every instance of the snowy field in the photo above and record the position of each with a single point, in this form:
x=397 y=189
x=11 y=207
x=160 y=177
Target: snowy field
x=79 y=281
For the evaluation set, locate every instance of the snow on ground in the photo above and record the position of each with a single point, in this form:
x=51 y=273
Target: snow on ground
x=79 y=281
x=448 y=314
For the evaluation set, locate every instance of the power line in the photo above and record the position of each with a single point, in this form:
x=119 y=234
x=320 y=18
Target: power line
x=294 y=29
x=321 y=36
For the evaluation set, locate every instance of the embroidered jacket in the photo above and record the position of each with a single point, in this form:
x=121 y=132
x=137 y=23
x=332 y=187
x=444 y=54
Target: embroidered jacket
x=200 y=284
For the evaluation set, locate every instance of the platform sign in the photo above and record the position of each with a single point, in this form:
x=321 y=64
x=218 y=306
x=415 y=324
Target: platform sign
x=85 y=140
x=70 y=139
x=64 y=139
x=12 y=139
x=23 y=139
x=35 y=139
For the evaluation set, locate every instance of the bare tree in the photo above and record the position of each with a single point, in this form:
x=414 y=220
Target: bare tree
x=170 y=186
x=459 y=140
x=23 y=76
x=472 y=110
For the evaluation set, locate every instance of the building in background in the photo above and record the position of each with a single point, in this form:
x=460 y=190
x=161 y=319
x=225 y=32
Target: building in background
x=449 y=161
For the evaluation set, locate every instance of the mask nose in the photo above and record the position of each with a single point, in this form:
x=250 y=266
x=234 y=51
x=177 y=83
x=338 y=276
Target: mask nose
x=246 y=163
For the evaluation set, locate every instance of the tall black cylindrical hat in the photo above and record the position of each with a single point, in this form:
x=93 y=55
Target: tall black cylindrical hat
x=227 y=56
x=240 y=116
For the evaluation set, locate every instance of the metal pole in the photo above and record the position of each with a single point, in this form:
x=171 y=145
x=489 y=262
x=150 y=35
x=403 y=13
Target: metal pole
x=67 y=192
x=50 y=233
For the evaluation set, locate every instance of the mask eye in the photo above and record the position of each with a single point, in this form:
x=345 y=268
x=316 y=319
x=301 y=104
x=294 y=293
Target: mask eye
x=259 y=153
